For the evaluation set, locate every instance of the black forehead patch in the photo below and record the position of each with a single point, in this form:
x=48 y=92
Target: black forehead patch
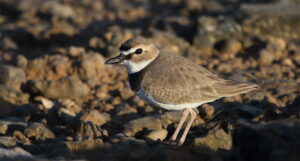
x=127 y=45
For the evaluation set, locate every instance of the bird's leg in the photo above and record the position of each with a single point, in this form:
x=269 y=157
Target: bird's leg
x=193 y=116
x=183 y=118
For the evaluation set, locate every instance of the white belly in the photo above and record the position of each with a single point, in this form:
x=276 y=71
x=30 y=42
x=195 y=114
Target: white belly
x=149 y=99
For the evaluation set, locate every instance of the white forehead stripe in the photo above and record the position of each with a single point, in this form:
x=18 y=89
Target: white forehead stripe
x=133 y=67
x=132 y=50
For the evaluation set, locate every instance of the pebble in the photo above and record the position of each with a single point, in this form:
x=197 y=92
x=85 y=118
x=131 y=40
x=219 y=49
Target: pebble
x=38 y=131
x=216 y=140
x=7 y=141
x=157 y=135
x=12 y=76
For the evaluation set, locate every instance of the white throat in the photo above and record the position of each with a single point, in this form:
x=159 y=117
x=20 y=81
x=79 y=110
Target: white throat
x=133 y=67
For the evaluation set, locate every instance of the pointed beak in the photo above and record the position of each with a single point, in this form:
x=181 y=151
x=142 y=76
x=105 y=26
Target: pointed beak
x=116 y=60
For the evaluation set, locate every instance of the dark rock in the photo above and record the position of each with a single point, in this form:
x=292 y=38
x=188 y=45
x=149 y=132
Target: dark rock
x=12 y=76
x=38 y=131
x=277 y=140
x=26 y=111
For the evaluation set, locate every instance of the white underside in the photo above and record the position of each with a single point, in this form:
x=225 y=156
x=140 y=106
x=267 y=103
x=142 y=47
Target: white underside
x=133 y=67
x=148 y=98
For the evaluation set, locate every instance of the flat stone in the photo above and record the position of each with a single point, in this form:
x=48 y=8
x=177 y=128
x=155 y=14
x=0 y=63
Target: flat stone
x=39 y=132
x=7 y=141
x=157 y=135
x=214 y=141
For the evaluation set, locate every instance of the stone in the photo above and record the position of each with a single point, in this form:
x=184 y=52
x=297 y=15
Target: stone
x=206 y=111
x=214 y=141
x=10 y=99
x=140 y=124
x=11 y=76
x=11 y=124
x=157 y=135
x=91 y=68
x=14 y=153
x=228 y=49
x=7 y=141
x=3 y=127
x=95 y=117
x=76 y=51
x=21 y=138
x=57 y=9
x=38 y=131
x=67 y=87
x=265 y=57
x=276 y=140
x=26 y=111
x=48 y=104
x=21 y=61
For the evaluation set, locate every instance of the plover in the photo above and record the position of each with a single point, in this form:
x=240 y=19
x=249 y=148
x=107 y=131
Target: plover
x=172 y=82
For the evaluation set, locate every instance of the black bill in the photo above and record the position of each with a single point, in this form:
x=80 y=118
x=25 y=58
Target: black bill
x=116 y=60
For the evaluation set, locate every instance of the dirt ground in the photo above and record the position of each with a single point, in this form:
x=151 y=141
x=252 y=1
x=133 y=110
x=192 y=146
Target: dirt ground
x=59 y=101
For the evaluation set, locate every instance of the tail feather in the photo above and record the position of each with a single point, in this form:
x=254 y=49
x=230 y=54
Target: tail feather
x=232 y=88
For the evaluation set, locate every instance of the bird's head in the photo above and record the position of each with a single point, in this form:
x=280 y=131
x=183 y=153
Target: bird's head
x=135 y=54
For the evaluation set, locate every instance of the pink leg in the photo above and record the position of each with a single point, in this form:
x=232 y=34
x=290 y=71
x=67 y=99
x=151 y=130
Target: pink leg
x=193 y=116
x=184 y=116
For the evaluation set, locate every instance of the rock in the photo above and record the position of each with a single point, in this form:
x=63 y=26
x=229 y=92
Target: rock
x=278 y=140
x=265 y=57
x=206 y=111
x=91 y=68
x=21 y=138
x=249 y=110
x=7 y=141
x=67 y=87
x=228 y=49
x=63 y=112
x=140 y=124
x=57 y=9
x=11 y=76
x=21 y=61
x=157 y=135
x=48 y=104
x=216 y=140
x=14 y=153
x=76 y=51
x=3 y=127
x=26 y=111
x=95 y=117
x=9 y=125
x=38 y=131
x=13 y=96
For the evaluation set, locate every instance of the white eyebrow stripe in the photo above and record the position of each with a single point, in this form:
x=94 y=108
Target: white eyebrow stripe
x=132 y=50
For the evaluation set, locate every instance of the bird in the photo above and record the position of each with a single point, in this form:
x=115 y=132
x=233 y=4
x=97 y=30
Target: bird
x=173 y=82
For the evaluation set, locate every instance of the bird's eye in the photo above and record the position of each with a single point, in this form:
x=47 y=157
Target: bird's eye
x=139 y=51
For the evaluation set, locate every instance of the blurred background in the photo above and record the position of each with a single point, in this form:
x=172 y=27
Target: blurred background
x=58 y=101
